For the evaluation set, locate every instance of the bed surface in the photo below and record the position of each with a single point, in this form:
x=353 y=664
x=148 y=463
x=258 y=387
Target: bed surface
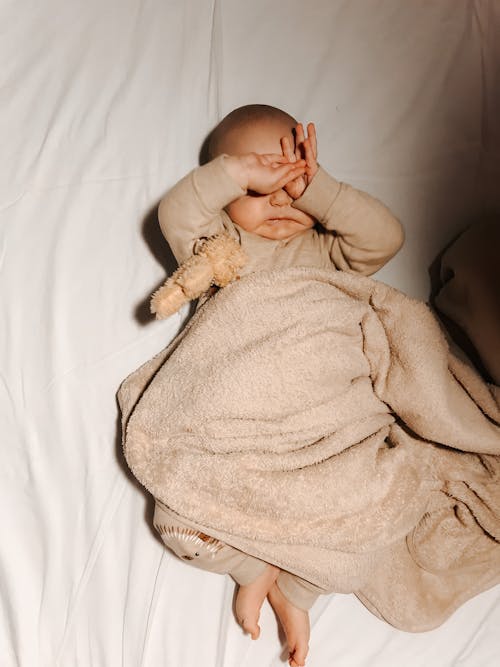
x=105 y=106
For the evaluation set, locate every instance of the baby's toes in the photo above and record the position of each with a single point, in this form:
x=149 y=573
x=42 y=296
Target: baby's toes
x=252 y=628
x=298 y=656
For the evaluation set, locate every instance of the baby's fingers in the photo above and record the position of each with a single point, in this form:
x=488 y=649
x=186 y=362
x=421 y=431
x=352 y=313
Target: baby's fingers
x=311 y=135
x=309 y=152
x=286 y=147
x=312 y=165
x=299 y=134
x=284 y=170
x=289 y=173
x=274 y=159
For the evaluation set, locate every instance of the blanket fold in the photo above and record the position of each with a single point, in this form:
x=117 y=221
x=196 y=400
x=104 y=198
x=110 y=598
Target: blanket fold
x=317 y=420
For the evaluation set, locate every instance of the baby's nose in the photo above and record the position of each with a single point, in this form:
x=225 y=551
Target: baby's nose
x=280 y=198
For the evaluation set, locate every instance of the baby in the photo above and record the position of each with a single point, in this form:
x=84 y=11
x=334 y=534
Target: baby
x=264 y=186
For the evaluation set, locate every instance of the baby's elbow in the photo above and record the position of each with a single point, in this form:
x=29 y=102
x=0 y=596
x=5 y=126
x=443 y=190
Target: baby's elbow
x=398 y=237
x=393 y=240
x=165 y=213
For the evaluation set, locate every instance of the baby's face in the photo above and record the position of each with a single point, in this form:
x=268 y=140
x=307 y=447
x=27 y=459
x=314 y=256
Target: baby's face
x=271 y=216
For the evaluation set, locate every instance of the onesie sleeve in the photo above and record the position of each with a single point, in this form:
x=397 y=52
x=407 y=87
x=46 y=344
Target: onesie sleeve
x=364 y=232
x=203 y=551
x=193 y=208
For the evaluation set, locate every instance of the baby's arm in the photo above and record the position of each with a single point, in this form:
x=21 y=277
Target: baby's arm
x=365 y=234
x=192 y=209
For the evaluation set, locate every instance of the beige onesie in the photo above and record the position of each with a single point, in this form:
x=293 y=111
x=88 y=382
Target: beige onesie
x=355 y=232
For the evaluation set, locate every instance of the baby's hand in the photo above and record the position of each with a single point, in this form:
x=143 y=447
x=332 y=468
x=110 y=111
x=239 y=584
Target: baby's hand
x=250 y=598
x=295 y=623
x=264 y=173
x=304 y=148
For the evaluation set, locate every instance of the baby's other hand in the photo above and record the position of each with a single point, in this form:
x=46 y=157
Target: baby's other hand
x=305 y=148
x=250 y=598
x=263 y=173
x=295 y=624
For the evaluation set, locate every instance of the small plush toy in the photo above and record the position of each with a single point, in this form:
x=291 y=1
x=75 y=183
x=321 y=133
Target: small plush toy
x=216 y=261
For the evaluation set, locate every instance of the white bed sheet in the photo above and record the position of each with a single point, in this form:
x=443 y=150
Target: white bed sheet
x=104 y=106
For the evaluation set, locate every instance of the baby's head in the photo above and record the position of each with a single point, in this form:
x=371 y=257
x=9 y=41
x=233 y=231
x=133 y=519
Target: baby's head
x=254 y=128
x=259 y=128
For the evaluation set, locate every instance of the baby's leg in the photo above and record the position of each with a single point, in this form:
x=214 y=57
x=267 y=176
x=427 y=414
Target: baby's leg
x=295 y=624
x=250 y=598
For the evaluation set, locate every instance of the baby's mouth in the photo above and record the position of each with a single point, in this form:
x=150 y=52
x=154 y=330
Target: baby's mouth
x=276 y=221
x=280 y=218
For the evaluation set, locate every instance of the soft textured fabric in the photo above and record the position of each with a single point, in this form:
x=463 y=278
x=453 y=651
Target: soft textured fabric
x=207 y=553
x=355 y=231
x=104 y=107
x=191 y=545
x=197 y=547
x=318 y=421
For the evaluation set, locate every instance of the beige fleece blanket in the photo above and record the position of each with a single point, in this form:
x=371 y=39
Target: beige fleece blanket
x=317 y=420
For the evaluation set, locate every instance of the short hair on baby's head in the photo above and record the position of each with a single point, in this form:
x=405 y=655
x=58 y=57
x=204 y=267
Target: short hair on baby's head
x=239 y=118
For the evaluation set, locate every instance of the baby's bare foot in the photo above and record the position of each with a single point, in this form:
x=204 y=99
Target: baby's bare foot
x=295 y=623
x=250 y=598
